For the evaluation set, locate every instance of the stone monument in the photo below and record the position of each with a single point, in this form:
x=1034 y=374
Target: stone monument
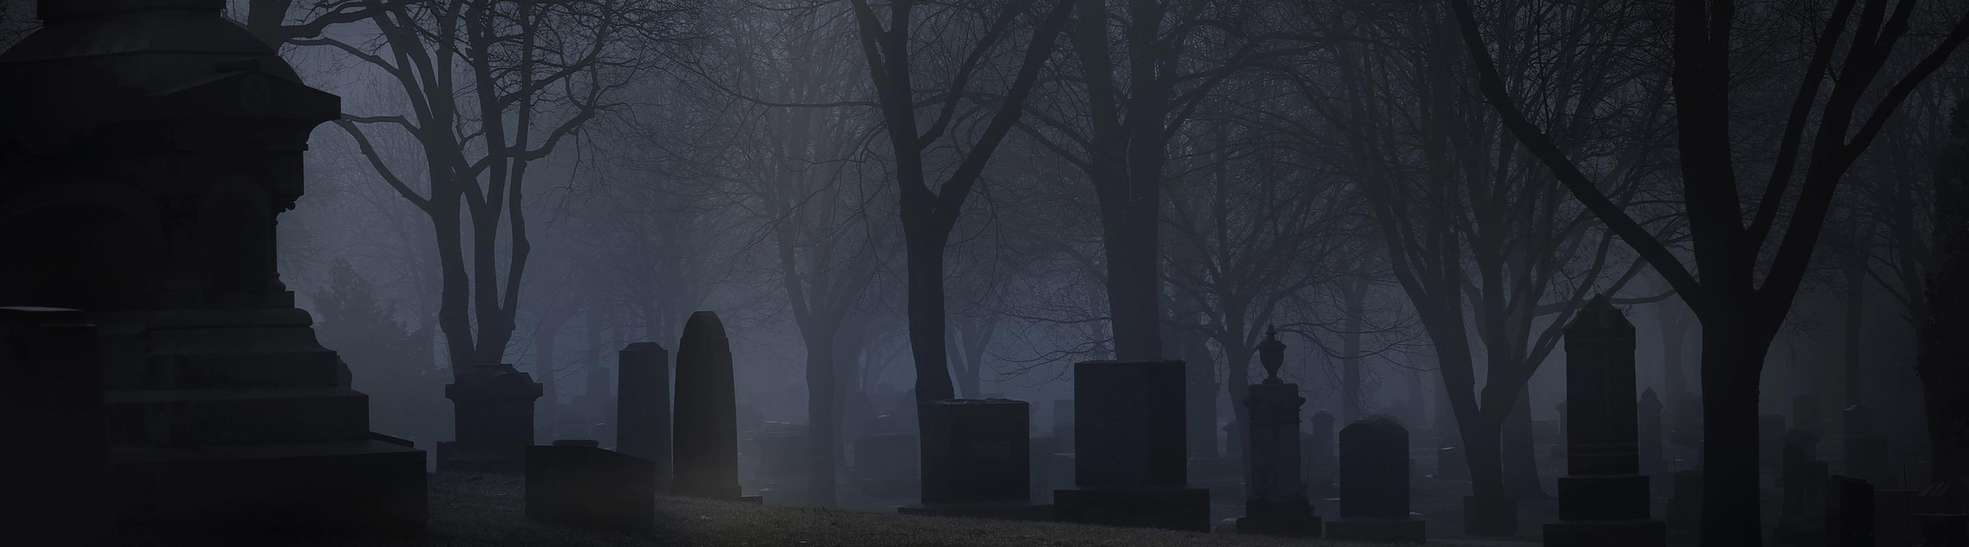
x=976 y=460
x=1603 y=500
x=493 y=405
x=576 y=483
x=705 y=449
x=1275 y=490
x=150 y=145
x=53 y=397
x=1130 y=465
x=643 y=406
x=1374 y=486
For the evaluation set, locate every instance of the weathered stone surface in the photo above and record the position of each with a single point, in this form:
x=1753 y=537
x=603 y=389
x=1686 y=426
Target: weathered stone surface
x=580 y=484
x=643 y=406
x=705 y=446
x=976 y=450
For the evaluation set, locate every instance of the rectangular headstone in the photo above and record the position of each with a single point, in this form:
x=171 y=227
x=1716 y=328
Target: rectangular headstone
x=1129 y=430
x=975 y=450
x=643 y=405
x=579 y=484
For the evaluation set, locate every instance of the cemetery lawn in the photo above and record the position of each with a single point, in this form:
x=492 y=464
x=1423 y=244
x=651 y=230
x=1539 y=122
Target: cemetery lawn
x=472 y=509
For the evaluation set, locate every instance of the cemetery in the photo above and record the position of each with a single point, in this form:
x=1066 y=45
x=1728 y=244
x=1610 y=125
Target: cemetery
x=274 y=275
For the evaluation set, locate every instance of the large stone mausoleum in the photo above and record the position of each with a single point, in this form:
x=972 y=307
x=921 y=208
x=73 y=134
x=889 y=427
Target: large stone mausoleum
x=147 y=147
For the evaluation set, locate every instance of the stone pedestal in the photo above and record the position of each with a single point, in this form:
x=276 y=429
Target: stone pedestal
x=705 y=446
x=1374 y=487
x=1894 y=522
x=494 y=409
x=1603 y=500
x=643 y=406
x=53 y=396
x=1275 y=492
x=1130 y=463
x=575 y=483
x=1849 y=513
x=149 y=148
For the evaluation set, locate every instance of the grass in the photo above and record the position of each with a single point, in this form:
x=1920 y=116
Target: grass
x=489 y=510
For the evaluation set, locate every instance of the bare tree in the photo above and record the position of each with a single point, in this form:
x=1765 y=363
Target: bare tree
x=967 y=40
x=1740 y=297
x=490 y=88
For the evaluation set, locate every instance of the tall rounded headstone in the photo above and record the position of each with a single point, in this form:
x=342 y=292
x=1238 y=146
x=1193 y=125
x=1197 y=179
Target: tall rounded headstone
x=705 y=455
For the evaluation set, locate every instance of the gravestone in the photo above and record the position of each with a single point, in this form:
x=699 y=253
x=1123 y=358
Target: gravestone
x=1603 y=500
x=1374 y=487
x=642 y=412
x=1685 y=508
x=1130 y=465
x=976 y=460
x=1275 y=489
x=1849 y=513
x=705 y=443
x=1321 y=457
x=1648 y=424
x=1801 y=516
x=576 y=483
x=149 y=147
x=493 y=406
x=54 y=396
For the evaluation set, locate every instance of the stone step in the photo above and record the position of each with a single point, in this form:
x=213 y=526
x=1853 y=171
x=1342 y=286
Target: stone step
x=294 y=369
x=201 y=417
x=361 y=486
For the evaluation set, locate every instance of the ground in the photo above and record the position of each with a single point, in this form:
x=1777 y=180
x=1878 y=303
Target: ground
x=488 y=510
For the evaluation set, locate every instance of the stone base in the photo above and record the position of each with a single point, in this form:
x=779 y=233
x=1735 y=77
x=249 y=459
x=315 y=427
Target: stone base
x=984 y=510
x=1490 y=517
x=1944 y=529
x=1378 y=530
x=350 y=488
x=1596 y=498
x=1279 y=525
x=1627 y=533
x=1169 y=508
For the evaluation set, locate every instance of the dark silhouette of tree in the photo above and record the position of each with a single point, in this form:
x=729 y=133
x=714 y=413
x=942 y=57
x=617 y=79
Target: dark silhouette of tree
x=965 y=41
x=1740 y=288
x=1943 y=351
x=490 y=88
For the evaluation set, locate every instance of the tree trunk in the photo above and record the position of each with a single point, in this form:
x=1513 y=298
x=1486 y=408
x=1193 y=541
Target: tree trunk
x=823 y=427
x=1482 y=449
x=926 y=310
x=1350 y=349
x=1520 y=463
x=1731 y=363
x=1134 y=280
